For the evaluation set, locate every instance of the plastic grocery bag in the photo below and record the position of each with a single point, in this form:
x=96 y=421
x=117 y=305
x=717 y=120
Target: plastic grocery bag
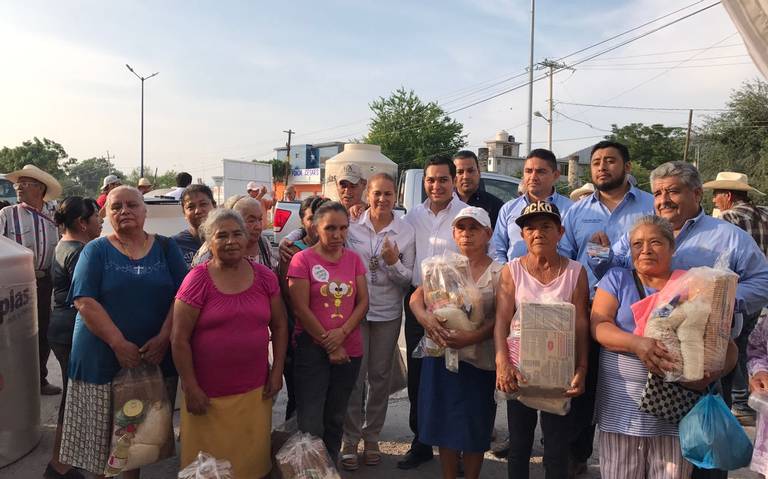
x=452 y=296
x=712 y=438
x=207 y=467
x=692 y=318
x=758 y=401
x=304 y=457
x=142 y=431
x=541 y=345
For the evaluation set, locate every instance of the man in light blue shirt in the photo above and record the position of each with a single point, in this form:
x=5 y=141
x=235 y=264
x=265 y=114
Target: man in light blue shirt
x=539 y=176
x=606 y=215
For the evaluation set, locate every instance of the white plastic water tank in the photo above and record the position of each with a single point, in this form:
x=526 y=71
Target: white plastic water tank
x=368 y=157
x=20 y=390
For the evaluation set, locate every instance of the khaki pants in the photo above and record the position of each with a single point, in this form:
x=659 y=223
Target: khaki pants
x=366 y=412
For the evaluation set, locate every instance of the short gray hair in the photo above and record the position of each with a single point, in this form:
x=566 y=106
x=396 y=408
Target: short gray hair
x=685 y=171
x=215 y=217
x=238 y=202
x=664 y=227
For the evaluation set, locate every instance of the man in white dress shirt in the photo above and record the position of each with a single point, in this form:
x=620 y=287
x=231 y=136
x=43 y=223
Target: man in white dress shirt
x=431 y=222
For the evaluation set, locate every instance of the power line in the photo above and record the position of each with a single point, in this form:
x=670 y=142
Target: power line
x=639 y=69
x=648 y=108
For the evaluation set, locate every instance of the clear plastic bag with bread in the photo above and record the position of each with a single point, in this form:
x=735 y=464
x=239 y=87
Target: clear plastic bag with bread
x=206 y=466
x=542 y=346
x=142 y=431
x=693 y=321
x=452 y=296
x=304 y=456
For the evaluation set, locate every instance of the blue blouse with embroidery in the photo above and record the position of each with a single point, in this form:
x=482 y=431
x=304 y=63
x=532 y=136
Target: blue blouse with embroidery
x=137 y=296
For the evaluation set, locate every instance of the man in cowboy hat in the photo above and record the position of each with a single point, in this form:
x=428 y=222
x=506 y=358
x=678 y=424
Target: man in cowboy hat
x=110 y=183
x=30 y=223
x=730 y=195
x=144 y=185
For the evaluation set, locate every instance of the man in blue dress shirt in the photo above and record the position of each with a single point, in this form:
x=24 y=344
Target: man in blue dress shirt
x=540 y=174
x=605 y=216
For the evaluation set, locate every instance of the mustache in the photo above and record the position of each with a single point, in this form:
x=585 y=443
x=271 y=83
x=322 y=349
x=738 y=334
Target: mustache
x=668 y=204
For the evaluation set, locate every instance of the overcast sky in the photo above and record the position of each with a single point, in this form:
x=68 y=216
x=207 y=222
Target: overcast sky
x=233 y=75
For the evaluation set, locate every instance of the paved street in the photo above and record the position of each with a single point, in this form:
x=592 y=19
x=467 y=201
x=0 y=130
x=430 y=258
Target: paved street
x=395 y=437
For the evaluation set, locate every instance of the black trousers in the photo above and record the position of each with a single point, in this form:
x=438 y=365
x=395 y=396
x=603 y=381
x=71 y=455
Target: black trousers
x=556 y=430
x=413 y=334
x=44 y=292
x=583 y=410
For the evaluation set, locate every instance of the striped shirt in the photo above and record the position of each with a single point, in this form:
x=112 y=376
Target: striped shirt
x=752 y=219
x=33 y=229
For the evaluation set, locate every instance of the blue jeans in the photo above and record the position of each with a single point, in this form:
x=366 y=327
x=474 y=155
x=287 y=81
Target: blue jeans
x=322 y=392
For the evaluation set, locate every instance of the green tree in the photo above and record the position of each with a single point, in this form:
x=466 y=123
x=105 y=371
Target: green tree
x=737 y=139
x=409 y=131
x=281 y=169
x=46 y=154
x=650 y=145
x=84 y=177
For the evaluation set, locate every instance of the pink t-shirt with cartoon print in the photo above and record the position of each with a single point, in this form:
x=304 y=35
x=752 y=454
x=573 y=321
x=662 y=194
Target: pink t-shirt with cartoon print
x=332 y=291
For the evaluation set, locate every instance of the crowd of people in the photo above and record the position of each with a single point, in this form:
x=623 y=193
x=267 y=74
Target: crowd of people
x=218 y=313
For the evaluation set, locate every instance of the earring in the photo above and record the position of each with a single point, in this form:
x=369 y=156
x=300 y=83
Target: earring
x=82 y=228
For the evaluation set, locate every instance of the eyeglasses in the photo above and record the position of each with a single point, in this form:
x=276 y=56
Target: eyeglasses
x=26 y=184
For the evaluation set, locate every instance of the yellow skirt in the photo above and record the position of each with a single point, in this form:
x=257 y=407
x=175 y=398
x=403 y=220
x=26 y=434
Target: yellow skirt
x=236 y=428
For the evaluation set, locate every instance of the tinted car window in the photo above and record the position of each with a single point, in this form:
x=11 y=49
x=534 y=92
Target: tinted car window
x=503 y=190
x=6 y=188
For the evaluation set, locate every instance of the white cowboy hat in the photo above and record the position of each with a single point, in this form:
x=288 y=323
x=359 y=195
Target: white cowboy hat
x=52 y=186
x=728 y=180
x=586 y=188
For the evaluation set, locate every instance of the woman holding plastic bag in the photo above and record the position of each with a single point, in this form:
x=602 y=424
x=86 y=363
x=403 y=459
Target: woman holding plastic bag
x=456 y=409
x=541 y=276
x=123 y=289
x=224 y=312
x=329 y=297
x=633 y=442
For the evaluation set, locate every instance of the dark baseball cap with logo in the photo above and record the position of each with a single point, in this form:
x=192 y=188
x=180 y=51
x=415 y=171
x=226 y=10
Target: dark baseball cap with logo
x=537 y=209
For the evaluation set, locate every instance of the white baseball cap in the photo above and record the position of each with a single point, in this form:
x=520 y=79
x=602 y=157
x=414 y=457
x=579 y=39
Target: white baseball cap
x=252 y=186
x=477 y=214
x=108 y=180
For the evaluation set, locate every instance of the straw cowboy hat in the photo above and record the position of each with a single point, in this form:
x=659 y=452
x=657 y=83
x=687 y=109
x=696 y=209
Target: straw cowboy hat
x=144 y=182
x=728 y=180
x=586 y=188
x=52 y=186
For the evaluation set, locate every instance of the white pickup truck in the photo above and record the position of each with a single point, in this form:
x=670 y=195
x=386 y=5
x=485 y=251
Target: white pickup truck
x=410 y=192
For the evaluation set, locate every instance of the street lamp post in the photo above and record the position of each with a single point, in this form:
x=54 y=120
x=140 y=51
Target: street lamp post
x=141 y=174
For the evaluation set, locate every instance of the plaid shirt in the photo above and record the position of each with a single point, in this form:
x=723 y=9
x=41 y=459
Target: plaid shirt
x=752 y=219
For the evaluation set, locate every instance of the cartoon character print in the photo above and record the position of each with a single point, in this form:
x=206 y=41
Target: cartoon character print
x=337 y=290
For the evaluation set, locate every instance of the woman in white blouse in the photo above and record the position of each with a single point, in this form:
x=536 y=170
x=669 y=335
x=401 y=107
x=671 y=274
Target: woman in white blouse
x=387 y=247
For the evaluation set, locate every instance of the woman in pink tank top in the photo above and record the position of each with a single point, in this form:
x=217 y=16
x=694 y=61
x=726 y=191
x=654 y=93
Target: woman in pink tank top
x=541 y=275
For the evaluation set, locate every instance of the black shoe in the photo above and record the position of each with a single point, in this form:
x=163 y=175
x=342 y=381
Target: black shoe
x=460 y=467
x=50 y=473
x=412 y=459
x=48 y=389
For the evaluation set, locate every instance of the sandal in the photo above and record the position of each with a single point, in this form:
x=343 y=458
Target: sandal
x=371 y=454
x=349 y=460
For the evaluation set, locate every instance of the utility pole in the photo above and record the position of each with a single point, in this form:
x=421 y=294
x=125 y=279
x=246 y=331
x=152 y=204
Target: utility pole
x=109 y=157
x=141 y=170
x=688 y=135
x=530 y=79
x=288 y=156
x=552 y=66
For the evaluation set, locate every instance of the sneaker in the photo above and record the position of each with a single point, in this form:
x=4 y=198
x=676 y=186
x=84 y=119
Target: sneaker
x=50 y=473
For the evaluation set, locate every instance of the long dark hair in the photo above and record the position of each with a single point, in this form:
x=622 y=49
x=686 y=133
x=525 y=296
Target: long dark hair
x=74 y=208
